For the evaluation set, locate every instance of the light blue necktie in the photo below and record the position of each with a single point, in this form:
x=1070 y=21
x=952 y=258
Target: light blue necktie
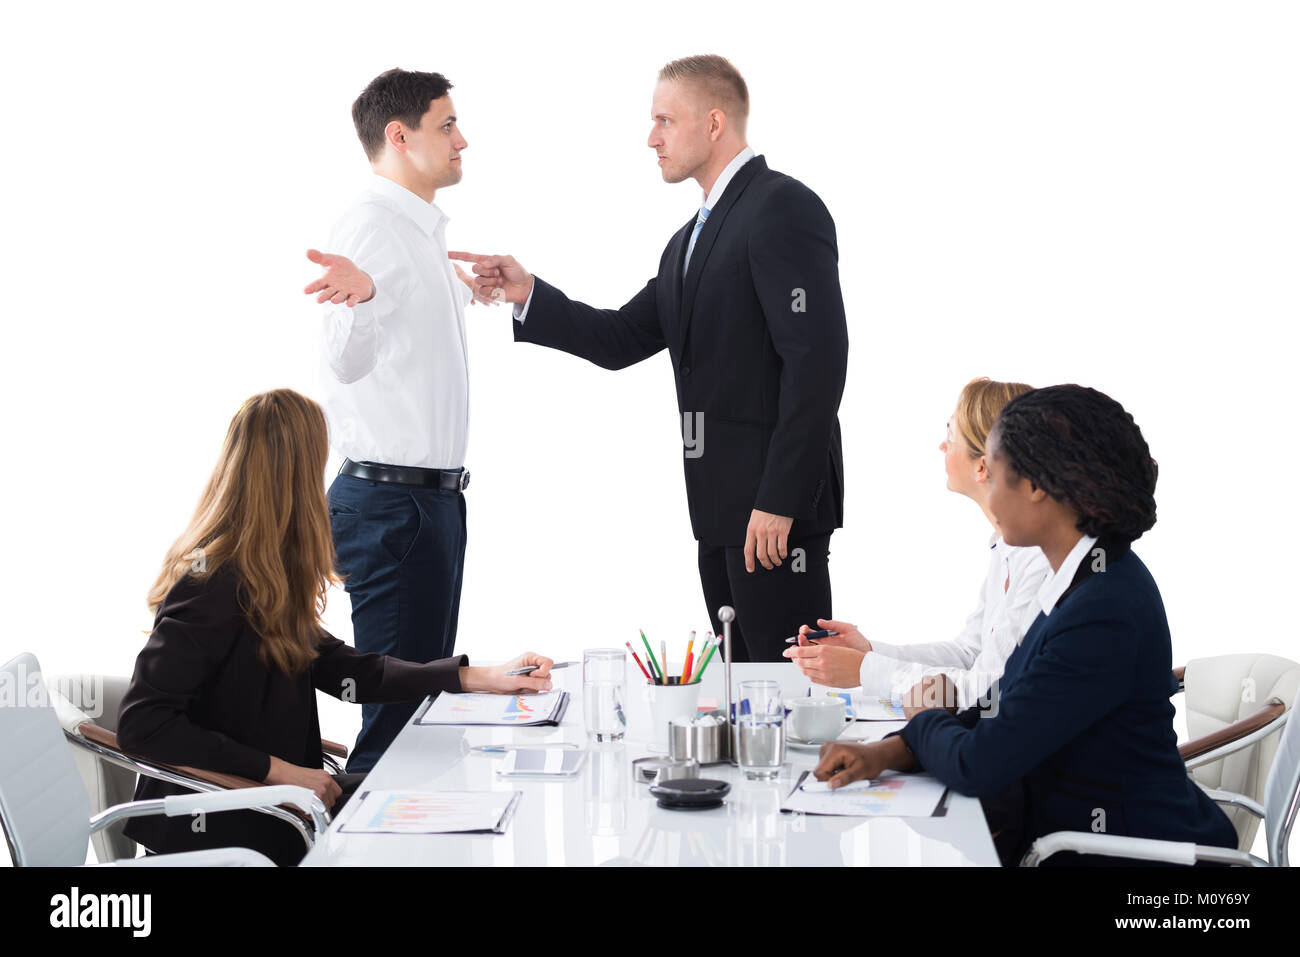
x=699 y=225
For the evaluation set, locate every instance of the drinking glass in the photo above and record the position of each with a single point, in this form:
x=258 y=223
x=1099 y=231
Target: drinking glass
x=760 y=729
x=604 y=684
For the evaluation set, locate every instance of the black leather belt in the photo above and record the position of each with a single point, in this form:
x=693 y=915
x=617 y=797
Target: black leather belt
x=451 y=481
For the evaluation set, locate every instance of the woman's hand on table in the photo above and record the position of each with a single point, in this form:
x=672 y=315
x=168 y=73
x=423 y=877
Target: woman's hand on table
x=494 y=679
x=843 y=764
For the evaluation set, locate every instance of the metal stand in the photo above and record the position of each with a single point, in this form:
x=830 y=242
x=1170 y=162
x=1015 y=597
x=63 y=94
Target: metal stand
x=726 y=615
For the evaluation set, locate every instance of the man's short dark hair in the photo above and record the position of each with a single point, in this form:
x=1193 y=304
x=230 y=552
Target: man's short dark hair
x=394 y=95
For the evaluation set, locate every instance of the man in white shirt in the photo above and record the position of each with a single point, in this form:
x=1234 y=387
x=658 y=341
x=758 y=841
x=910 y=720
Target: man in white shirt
x=396 y=381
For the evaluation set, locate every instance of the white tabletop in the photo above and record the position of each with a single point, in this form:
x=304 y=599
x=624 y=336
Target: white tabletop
x=601 y=817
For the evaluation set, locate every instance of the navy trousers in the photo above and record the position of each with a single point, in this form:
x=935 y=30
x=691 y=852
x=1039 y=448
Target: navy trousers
x=401 y=552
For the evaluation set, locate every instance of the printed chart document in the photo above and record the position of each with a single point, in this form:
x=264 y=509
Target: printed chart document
x=861 y=706
x=890 y=795
x=432 y=812
x=500 y=710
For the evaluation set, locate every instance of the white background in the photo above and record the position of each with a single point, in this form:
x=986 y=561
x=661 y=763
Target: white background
x=1100 y=192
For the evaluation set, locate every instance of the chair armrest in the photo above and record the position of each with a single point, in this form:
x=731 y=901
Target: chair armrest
x=107 y=739
x=1181 y=674
x=333 y=748
x=214 y=857
x=103 y=744
x=1140 y=848
x=1233 y=799
x=1235 y=737
x=242 y=799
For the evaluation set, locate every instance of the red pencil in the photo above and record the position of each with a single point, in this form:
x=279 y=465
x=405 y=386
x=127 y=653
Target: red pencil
x=638 y=662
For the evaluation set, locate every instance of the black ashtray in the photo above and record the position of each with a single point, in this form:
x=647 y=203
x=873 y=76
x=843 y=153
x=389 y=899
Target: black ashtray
x=691 y=794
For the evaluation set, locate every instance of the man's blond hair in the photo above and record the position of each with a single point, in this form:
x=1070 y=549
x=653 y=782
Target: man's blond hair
x=720 y=84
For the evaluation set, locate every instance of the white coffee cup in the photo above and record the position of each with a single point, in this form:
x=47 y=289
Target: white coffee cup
x=815 y=719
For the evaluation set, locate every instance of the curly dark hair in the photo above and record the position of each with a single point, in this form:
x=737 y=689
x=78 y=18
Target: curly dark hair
x=1082 y=448
x=394 y=95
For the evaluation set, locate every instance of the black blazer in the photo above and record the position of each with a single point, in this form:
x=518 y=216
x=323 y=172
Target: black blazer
x=1083 y=727
x=201 y=697
x=759 y=347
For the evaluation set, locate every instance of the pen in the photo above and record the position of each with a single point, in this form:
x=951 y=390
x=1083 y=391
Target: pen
x=526 y=669
x=812 y=636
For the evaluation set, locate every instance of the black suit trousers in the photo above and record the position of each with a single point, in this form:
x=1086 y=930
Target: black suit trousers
x=770 y=604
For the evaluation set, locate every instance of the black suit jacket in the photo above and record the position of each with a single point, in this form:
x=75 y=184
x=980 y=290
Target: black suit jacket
x=759 y=346
x=200 y=696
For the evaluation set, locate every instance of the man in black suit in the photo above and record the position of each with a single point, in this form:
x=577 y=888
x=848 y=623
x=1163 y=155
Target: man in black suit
x=747 y=302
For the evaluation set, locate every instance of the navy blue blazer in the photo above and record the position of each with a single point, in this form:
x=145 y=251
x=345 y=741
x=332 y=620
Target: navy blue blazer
x=759 y=345
x=1082 y=720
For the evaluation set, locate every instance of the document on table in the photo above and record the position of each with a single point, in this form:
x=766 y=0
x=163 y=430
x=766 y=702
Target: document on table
x=863 y=707
x=890 y=795
x=432 y=812
x=499 y=710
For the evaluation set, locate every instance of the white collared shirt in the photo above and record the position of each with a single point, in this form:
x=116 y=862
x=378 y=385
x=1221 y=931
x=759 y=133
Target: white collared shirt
x=1055 y=586
x=710 y=200
x=977 y=657
x=396 y=368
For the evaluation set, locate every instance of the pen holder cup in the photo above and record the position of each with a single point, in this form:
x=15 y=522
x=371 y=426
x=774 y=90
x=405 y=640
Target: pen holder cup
x=702 y=737
x=666 y=703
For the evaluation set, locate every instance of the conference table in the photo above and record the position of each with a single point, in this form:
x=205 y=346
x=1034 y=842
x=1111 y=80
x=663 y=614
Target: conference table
x=602 y=817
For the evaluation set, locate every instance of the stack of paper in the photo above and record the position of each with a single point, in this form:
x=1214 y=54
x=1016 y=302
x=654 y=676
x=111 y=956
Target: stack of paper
x=431 y=812
x=499 y=710
x=890 y=795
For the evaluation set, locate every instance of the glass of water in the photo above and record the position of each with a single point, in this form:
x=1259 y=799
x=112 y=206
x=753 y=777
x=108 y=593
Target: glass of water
x=760 y=728
x=604 y=684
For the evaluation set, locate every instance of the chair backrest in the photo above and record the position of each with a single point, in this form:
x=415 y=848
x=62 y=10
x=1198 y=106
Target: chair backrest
x=1227 y=688
x=43 y=806
x=1282 y=792
x=96 y=699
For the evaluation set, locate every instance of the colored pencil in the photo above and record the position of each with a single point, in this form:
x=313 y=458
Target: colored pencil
x=650 y=656
x=638 y=661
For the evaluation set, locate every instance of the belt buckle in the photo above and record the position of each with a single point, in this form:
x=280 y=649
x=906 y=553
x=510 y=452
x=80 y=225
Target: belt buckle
x=464 y=480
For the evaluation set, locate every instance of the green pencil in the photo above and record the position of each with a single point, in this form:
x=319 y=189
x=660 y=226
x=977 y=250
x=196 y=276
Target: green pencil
x=654 y=665
x=708 y=656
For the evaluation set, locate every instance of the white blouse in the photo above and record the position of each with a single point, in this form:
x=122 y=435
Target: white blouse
x=976 y=658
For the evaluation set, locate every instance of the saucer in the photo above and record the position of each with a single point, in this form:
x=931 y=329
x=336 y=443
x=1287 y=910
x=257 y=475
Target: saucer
x=798 y=744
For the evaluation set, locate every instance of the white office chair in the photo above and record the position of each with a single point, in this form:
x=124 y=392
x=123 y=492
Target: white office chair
x=1281 y=804
x=44 y=808
x=87 y=706
x=1235 y=704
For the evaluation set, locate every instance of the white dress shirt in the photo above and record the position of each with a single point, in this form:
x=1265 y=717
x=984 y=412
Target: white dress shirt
x=710 y=200
x=976 y=658
x=1056 y=585
x=396 y=368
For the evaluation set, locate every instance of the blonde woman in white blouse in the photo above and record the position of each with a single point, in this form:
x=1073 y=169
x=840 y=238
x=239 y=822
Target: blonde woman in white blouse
x=957 y=672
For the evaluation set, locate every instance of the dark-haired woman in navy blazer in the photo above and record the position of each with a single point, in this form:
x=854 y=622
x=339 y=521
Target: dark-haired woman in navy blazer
x=1079 y=736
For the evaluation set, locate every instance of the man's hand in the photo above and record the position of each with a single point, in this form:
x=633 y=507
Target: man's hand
x=481 y=290
x=316 y=779
x=766 y=538
x=932 y=691
x=835 y=667
x=495 y=680
x=501 y=274
x=343 y=283
x=846 y=635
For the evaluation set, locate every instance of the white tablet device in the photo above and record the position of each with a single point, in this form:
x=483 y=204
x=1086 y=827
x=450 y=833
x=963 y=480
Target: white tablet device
x=543 y=763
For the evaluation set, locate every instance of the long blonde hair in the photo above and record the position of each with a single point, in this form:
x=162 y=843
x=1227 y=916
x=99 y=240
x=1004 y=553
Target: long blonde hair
x=264 y=510
x=979 y=406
